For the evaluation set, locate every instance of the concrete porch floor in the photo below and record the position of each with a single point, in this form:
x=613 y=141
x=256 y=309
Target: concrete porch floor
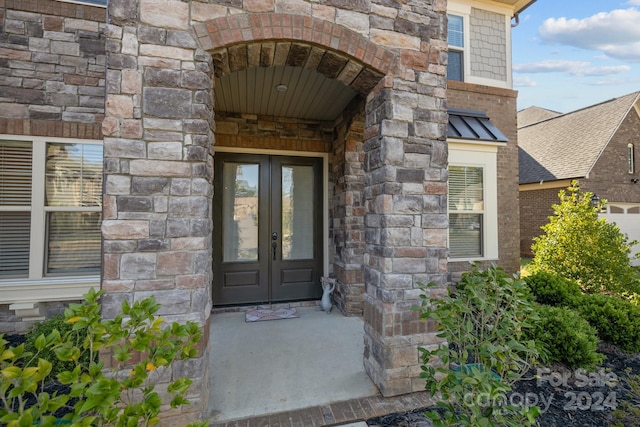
x=296 y=372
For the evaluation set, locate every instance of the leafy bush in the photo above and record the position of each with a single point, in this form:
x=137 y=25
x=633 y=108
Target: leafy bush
x=552 y=289
x=141 y=349
x=580 y=246
x=616 y=320
x=483 y=322
x=45 y=328
x=562 y=335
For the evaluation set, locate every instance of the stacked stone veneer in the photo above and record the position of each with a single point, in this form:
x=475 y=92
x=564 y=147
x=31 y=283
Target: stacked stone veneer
x=347 y=225
x=52 y=55
x=158 y=145
x=158 y=171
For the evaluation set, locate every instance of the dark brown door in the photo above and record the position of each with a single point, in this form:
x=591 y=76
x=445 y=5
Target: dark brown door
x=267 y=228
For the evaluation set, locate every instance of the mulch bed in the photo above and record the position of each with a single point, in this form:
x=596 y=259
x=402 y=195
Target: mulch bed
x=572 y=403
x=575 y=398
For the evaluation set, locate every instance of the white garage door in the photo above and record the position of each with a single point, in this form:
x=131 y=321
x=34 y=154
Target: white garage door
x=627 y=217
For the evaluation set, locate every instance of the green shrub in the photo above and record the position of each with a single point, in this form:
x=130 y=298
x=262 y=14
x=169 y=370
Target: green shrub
x=576 y=244
x=616 y=320
x=486 y=351
x=552 y=289
x=562 y=335
x=45 y=328
x=123 y=395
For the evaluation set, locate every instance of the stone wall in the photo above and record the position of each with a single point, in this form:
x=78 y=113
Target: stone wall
x=400 y=52
x=346 y=224
x=52 y=56
x=158 y=171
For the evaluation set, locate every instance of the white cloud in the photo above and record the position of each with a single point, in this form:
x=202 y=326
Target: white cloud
x=551 y=66
x=615 y=33
x=524 y=81
x=634 y=2
x=602 y=71
x=614 y=82
x=574 y=68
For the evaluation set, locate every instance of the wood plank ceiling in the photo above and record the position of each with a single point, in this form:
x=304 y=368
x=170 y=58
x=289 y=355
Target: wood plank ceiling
x=308 y=94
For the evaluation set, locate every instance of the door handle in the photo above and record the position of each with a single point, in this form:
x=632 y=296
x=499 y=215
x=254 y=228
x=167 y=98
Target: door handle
x=274 y=245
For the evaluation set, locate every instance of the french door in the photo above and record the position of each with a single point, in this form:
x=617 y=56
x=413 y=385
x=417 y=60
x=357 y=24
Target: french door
x=267 y=239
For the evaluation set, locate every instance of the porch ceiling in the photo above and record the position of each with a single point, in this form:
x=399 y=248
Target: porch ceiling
x=308 y=94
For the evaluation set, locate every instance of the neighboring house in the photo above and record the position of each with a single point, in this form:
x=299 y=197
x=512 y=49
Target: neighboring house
x=232 y=152
x=595 y=146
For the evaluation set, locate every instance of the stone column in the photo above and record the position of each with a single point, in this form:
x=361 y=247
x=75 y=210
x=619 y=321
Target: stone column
x=347 y=226
x=406 y=200
x=158 y=172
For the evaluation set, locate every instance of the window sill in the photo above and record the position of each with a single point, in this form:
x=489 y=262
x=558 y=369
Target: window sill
x=51 y=289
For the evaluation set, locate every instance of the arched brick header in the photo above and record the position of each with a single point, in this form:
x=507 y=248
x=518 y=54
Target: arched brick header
x=268 y=39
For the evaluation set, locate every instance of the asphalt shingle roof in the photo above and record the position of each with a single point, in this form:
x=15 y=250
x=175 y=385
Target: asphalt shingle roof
x=567 y=146
x=534 y=114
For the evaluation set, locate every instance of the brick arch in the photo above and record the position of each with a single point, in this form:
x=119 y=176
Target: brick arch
x=242 y=41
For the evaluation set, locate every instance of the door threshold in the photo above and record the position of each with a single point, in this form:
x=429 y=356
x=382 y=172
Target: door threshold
x=263 y=306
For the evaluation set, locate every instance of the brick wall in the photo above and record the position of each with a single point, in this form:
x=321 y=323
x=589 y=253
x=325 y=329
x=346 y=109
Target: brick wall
x=500 y=106
x=535 y=209
x=53 y=57
x=609 y=177
x=276 y=133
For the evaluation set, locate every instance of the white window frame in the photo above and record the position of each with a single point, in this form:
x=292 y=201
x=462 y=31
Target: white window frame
x=485 y=156
x=631 y=164
x=37 y=286
x=465 y=42
x=464 y=10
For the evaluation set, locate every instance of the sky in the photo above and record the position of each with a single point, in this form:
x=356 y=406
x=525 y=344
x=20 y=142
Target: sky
x=569 y=54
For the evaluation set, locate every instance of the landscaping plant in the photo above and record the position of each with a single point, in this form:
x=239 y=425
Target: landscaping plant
x=562 y=335
x=483 y=322
x=616 y=320
x=142 y=350
x=59 y=323
x=552 y=289
x=578 y=245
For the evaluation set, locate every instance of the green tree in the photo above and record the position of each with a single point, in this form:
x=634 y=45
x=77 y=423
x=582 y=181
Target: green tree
x=580 y=246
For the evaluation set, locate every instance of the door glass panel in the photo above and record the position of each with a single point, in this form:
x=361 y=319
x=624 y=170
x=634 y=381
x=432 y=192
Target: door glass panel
x=297 y=212
x=240 y=212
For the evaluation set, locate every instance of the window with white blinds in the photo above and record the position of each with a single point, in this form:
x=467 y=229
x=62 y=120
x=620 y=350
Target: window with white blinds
x=466 y=211
x=50 y=208
x=15 y=205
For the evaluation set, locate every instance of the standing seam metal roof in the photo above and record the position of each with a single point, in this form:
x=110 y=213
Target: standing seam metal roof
x=471 y=124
